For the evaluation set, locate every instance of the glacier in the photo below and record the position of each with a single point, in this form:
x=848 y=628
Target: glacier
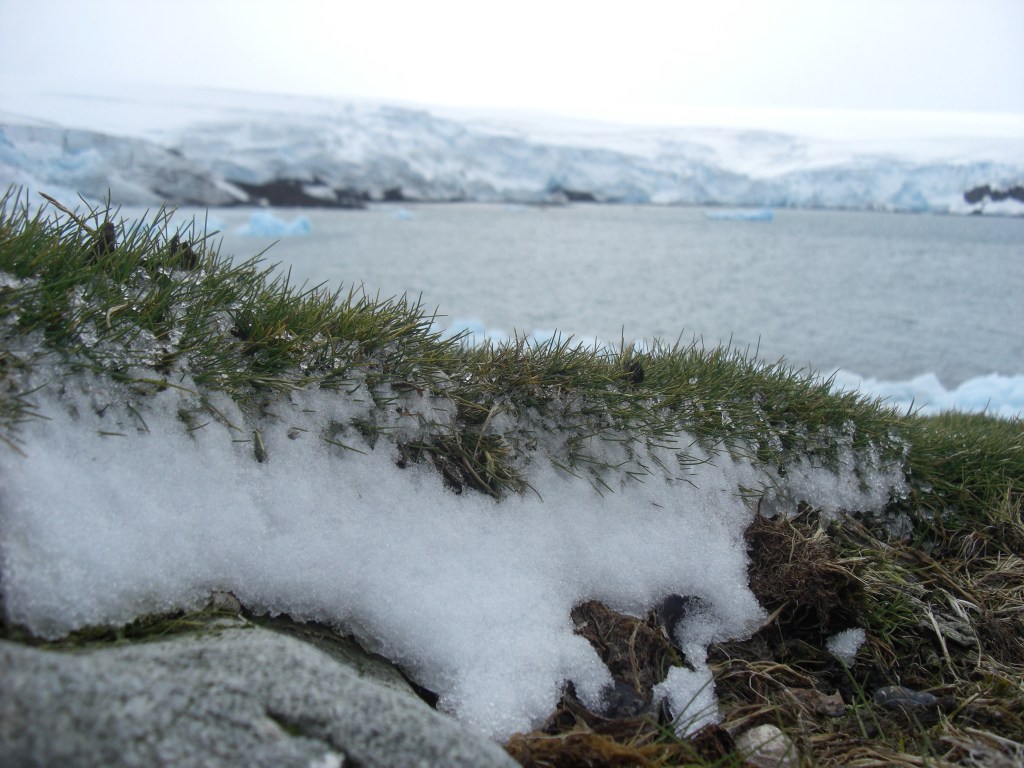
x=208 y=148
x=68 y=162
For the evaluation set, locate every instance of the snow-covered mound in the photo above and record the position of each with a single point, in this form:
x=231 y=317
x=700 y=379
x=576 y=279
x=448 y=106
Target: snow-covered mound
x=112 y=509
x=145 y=147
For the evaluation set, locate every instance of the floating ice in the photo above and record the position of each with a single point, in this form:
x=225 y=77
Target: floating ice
x=994 y=394
x=741 y=214
x=475 y=331
x=544 y=335
x=266 y=224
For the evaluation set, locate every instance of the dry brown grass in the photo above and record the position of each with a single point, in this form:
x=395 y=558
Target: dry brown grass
x=943 y=618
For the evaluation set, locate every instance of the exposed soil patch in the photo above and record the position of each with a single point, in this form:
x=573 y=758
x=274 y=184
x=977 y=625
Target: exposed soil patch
x=795 y=574
x=637 y=652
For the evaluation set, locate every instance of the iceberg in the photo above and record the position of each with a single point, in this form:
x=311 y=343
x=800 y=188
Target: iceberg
x=266 y=224
x=742 y=214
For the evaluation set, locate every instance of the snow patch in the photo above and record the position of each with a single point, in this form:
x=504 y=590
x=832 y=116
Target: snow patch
x=124 y=505
x=691 y=698
x=103 y=521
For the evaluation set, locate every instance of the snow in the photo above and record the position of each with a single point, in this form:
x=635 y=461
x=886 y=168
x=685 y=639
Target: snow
x=196 y=142
x=115 y=510
x=691 y=698
x=866 y=483
x=844 y=645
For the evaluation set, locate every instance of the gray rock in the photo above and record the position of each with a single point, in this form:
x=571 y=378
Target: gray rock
x=237 y=695
x=766 y=746
x=344 y=649
x=919 y=706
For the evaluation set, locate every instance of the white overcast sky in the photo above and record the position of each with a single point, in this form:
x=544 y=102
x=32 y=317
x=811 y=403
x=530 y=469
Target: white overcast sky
x=632 y=61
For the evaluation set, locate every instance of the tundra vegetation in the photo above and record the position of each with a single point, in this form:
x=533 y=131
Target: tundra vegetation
x=941 y=599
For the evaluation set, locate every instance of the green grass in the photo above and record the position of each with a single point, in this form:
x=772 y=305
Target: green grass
x=138 y=314
x=165 y=309
x=963 y=465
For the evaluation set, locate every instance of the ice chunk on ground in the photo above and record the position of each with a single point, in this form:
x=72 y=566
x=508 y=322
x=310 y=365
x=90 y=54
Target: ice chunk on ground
x=691 y=698
x=844 y=645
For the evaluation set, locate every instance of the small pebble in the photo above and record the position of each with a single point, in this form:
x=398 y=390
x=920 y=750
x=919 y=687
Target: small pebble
x=898 y=697
x=920 y=705
x=766 y=746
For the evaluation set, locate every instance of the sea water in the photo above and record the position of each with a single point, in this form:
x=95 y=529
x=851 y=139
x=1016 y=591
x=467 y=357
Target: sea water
x=887 y=296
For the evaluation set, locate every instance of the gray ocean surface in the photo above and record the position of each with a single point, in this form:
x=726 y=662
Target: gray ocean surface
x=889 y=296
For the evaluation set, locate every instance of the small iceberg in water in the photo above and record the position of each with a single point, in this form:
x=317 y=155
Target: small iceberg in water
x=266 y=224
x=741 y=214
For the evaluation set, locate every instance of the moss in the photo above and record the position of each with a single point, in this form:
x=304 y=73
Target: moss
x=145 y=628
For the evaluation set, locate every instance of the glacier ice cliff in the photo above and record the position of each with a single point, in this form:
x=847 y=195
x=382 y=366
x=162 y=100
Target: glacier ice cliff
x=343 y=154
